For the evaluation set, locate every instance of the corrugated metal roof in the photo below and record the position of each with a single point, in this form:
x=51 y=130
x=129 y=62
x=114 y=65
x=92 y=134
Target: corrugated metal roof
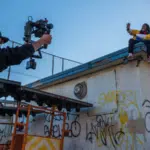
x=14 y=89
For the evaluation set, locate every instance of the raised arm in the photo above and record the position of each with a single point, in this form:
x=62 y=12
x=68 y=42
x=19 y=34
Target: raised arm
x=131 y=31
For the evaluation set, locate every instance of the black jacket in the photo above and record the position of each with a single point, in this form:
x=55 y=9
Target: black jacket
x=14 y=56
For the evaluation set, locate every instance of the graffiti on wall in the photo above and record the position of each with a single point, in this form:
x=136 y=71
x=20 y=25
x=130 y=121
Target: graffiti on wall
x=104 y=130
x=72 y=125
x=124 y=131
x=118 y=129
x=146 y=104
x=5 y=132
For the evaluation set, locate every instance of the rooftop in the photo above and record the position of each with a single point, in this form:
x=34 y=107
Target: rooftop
x=112 y=59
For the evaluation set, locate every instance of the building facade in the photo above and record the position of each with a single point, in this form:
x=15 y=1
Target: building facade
x=119 y=91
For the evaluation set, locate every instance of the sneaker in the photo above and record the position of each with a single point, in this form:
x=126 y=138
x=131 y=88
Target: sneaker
x=130 y=55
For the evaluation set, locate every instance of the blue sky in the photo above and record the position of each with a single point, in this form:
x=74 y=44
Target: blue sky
x=83 y=29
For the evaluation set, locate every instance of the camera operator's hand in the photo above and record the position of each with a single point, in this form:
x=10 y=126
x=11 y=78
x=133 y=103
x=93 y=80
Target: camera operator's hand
x=1 y=41
x=128 y=27
x=45 y=39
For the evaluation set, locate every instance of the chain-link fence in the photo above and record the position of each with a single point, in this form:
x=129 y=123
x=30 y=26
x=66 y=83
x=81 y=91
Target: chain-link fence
x=47 y=66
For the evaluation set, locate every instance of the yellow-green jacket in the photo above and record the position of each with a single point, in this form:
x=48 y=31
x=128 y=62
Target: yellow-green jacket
x=135 y=32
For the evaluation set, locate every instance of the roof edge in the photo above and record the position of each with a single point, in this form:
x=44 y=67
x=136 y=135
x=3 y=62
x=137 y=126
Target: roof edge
x=101 y=63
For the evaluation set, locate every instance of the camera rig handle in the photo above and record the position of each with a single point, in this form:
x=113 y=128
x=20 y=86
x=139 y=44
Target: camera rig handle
x=39 y=52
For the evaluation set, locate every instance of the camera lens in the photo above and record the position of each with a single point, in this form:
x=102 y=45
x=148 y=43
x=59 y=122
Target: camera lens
x=50 y=26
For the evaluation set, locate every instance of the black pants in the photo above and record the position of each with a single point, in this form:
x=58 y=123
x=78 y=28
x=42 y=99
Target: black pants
x=132 y=42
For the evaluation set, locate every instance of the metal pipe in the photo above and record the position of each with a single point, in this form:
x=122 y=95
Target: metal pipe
x=26 y=128
x=62 y=64
x=62 y=57
x=15 y=126
x=63 y=132
x=50 y=54
x=53 y=64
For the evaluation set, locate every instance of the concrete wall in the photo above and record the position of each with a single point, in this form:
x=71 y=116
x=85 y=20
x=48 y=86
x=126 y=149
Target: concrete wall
x=120 y=118
x=5 y=129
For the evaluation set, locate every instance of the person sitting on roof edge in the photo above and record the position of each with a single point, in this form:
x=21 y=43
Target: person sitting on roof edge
x=139 y=36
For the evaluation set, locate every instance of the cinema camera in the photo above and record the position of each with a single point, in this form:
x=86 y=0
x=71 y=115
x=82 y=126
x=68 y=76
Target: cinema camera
x=37 y=29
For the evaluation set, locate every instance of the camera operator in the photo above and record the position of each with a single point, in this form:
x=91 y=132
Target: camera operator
x=14 y=56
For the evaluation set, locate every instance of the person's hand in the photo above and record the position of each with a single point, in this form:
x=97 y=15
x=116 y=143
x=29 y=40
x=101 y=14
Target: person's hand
x=128 y=26
x=46 y=39
x=1 y=41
